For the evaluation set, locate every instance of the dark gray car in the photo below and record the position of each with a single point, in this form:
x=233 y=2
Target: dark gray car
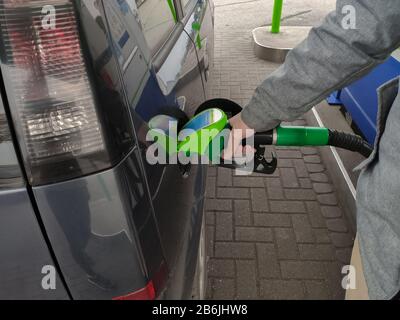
x=82 y=214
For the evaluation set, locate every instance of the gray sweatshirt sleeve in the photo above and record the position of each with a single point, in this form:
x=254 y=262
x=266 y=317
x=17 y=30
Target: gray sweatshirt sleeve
x=329 y=59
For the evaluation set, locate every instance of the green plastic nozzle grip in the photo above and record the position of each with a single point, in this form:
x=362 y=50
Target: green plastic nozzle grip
x=302 y=136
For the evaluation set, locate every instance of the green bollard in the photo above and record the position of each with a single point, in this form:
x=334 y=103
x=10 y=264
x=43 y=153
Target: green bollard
x=172 y=8
x=276 y=16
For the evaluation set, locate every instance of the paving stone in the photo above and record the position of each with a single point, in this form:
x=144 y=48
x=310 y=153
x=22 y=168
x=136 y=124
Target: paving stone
x=242 y=213
x=259 y=200
x=289 y=178
x=233 y=193
x=210 y=240
x=337 y=225
x=223 y=289
x=221 y=268
x=224 y=93
x=315 y=168
x=268 y=264
x=324 y=252
x=322 y=235
x=327 y=199
x=287 y=206
x=274 y=189
x=212 y=171
x=334 y=279
x=224 y=177
x=331 y=212
x=344 y=255
x=272 y=220
x=235 y=89
x=288 y=154
x=209 y=289
x=210 y=218
x=246 y=287
x=317 y=290
x=300 y=194
x=303 y=270
x=224 y=226
x=248 y=182
x=211 y=183
x=282 y=290
x=315 y=215
x=305 y=183
x=252 y=234
x=286 y=243
x=236 y=250
x=218 y=205
x=299 y=122
x=309 y=151
x=312 y=159
x=301 y=169
x=323 y=187
x=285 y=163
x=342 y=240
x=319 y=177
x=302 y=229
x=275 y=174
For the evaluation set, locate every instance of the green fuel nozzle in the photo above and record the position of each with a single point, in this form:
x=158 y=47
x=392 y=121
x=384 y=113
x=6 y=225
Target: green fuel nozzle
x=301 y=136
x=207 y=135
x=285 y=136
x=318 y=137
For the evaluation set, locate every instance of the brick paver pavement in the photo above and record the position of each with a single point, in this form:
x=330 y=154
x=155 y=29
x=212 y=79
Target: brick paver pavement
x=282 y=236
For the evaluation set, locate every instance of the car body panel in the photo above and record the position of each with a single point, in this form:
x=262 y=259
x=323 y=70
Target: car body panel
x=114 y=231
x=180 y=74
x=24 y=253
x=199 y=25
x=178 y=201
x=102 y=225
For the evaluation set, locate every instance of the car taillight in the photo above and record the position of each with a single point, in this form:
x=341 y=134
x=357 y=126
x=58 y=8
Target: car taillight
x=153 y=288
x=146 y=293
x=49 y=90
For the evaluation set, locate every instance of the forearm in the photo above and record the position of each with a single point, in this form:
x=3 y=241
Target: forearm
x=330 y=58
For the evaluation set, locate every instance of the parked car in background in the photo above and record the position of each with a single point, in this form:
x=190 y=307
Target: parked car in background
x=78 y=201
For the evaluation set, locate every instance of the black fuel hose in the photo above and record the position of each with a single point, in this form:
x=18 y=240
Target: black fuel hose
x=309 y=136
x=349 y=142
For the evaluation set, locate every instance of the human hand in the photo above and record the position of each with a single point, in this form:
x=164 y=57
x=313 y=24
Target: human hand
x=239 y=132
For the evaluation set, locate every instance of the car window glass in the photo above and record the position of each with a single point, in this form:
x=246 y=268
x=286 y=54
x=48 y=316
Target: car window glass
x=186 y=5
x=158 y=19
x=114 y=110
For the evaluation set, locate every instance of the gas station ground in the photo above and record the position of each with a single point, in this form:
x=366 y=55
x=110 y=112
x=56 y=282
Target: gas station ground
x=283 y=236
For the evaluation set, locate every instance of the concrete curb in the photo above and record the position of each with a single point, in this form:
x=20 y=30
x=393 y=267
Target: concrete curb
x=275 y=47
